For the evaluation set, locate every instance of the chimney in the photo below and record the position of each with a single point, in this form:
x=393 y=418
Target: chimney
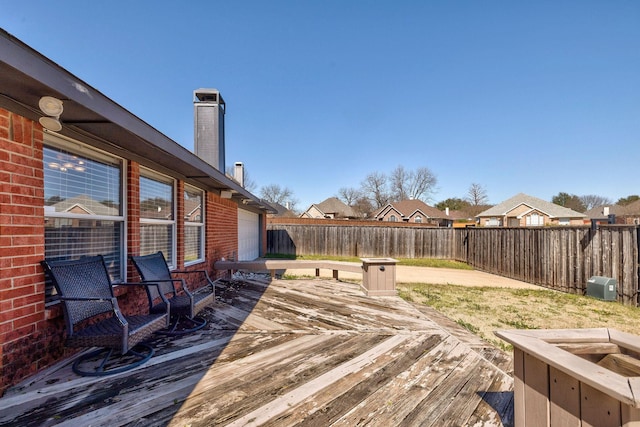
x=209 y=109
x=446 y=211
x=238 y=173
x=605 y=211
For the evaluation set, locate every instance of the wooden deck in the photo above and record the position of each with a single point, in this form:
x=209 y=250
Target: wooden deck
x=290 y=352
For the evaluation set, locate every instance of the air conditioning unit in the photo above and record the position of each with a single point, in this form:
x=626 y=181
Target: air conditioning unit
x=604 y=288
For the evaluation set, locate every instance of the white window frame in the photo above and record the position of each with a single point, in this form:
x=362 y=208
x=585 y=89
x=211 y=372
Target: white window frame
x=156 y=176
x=492 y=222
x=418 y=219
x=68 y=145
x=200 y=224
x=539 y=220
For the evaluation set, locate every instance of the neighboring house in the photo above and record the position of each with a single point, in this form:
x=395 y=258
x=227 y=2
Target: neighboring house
x=415 y=211
x=84 y=176
x=83 y=205
x=627 y=214
x=523 y=210
x=85 y=210
x=459 y=219
x=281 y=211
x=331 y=208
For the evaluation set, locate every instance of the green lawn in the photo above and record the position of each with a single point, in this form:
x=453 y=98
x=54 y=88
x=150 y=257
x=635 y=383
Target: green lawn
x=484 y=310
x=415 y=262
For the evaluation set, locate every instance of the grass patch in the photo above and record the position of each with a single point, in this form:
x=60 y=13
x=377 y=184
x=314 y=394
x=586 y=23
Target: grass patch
x=432 y=262
x=483 y=310
x=280 y=256
x=413 y=262
x=467 y=326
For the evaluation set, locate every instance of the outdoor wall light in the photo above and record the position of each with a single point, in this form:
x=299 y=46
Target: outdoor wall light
x=52 y=107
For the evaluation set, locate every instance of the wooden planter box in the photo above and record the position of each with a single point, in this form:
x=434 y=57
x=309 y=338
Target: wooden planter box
x=379 y=276
x=575 y=377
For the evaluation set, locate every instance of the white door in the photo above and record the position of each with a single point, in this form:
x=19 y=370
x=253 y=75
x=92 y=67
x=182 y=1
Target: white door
x=248 y=235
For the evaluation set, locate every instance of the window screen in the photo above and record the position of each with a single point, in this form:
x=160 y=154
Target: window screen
x=157 y=222
x=193 y=225
x=83 y=207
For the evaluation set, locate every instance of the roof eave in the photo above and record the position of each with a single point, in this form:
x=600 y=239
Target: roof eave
x=91 y=117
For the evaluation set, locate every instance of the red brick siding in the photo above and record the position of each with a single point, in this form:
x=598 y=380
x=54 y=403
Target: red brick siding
x=24 y=336
x=32 y=336
x=222 y=230
x=133 y=208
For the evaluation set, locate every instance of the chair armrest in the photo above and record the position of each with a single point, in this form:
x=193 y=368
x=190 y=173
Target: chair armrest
x=155 y=282
x=206 y=275
x=150 y=283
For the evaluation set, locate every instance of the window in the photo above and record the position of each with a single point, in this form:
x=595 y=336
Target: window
x=418 y=218
x=83 y=205
x=393 y=218
x=564 y=221
x=157 y=216
x=534 y=220
x=193 y=225
x=492 y=222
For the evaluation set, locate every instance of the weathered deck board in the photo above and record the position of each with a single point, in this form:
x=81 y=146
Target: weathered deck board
x=294 y=352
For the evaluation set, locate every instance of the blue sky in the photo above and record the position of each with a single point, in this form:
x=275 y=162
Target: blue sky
x=537 y=97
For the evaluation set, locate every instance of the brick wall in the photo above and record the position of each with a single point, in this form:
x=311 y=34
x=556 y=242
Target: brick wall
x=24 y=337
x=32 y=335
x=132 y=299
x=222 y=230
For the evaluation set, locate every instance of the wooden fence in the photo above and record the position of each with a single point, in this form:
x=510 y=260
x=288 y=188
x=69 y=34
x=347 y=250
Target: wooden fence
x=561 y=258
x=360 y=241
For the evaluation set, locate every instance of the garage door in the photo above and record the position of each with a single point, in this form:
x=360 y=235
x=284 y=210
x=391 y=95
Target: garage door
x=248 y=235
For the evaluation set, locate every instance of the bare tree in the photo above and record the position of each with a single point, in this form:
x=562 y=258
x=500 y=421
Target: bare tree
x=374 y=187
x=273 y=193
x=418 y=184
x=349 y=195
x=477 y=195
x=591 y=201
x=399 y=183
x=422 y=184
x=249 y=183
x=363 y=207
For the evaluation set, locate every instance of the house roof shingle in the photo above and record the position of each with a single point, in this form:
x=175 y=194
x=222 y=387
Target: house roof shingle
x=551 y=209
x=408 y=207
x=632 y=209
x=282 y=211
x=86 y=204
x=333 y=207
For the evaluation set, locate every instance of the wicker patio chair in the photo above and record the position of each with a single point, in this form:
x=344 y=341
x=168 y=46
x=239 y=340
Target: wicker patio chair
x=93 y=318
x=185 y=304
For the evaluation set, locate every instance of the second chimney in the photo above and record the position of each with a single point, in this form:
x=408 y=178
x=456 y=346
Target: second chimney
x=209 y=109
x=238 y=173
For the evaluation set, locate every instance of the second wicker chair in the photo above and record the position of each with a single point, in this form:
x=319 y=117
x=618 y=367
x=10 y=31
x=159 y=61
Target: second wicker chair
x=184 y=304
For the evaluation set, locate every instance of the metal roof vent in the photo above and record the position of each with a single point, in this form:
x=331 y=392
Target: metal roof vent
x=209 y=109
